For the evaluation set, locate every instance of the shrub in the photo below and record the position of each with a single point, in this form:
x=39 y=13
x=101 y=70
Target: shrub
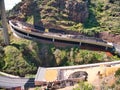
x=15 y=62
x=84 y=86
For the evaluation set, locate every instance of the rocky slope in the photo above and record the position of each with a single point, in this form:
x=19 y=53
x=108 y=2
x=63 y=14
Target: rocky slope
x=91 y=17
x=88 y=17
x=52 y=13
x=115 y=38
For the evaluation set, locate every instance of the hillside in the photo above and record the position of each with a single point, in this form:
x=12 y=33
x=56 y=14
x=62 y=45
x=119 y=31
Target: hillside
x=52 y=13
x=89 y=17
x=99 y=18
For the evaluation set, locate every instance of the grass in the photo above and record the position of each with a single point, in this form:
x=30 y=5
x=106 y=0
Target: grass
x=30 y=76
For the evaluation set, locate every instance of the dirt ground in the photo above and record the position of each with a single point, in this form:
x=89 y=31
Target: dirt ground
x=94 y=79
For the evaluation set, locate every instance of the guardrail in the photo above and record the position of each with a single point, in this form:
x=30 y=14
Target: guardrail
x=8 y=75
x=86 y=65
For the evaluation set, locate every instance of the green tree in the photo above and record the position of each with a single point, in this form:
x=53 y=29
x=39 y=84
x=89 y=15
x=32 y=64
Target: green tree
x=15 y=63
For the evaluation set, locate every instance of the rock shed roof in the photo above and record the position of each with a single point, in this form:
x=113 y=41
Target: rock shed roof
x=46 y=75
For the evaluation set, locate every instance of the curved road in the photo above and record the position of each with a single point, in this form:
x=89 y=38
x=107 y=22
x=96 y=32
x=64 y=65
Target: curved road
x=7 y=82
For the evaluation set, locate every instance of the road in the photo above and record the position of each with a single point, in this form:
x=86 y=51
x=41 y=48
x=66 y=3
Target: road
x=7 y=82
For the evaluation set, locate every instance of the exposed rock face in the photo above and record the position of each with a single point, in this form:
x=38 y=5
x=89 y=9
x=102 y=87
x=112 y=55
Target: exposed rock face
x=110 y=37
x=77 y=11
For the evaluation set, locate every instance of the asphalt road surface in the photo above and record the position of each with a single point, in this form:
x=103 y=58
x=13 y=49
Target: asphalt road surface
x=7 y=82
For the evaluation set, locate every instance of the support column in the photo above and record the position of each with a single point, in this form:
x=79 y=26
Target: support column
x=106 y=48
x=4 y=23
x=28 y=34
x=80 y=43
x=53 y=40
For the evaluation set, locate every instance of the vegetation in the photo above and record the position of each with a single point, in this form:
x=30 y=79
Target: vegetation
x=27 y=55
x=23 y=57
x=38 y=88
x=117 y=75
x=15 y=63
x=115 y=85
x=76 y=56
x=0 y=23
x=84 y=86
x=103 y=16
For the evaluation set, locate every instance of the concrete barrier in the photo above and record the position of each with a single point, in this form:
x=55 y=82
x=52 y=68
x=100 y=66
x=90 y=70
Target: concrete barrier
x=86 y=65
x=8 y=75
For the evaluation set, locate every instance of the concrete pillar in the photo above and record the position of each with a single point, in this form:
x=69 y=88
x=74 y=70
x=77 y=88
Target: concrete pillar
x=53 y=40
x=106 y=48
x=80 y=43
x=28 y=34
x=4 y=23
